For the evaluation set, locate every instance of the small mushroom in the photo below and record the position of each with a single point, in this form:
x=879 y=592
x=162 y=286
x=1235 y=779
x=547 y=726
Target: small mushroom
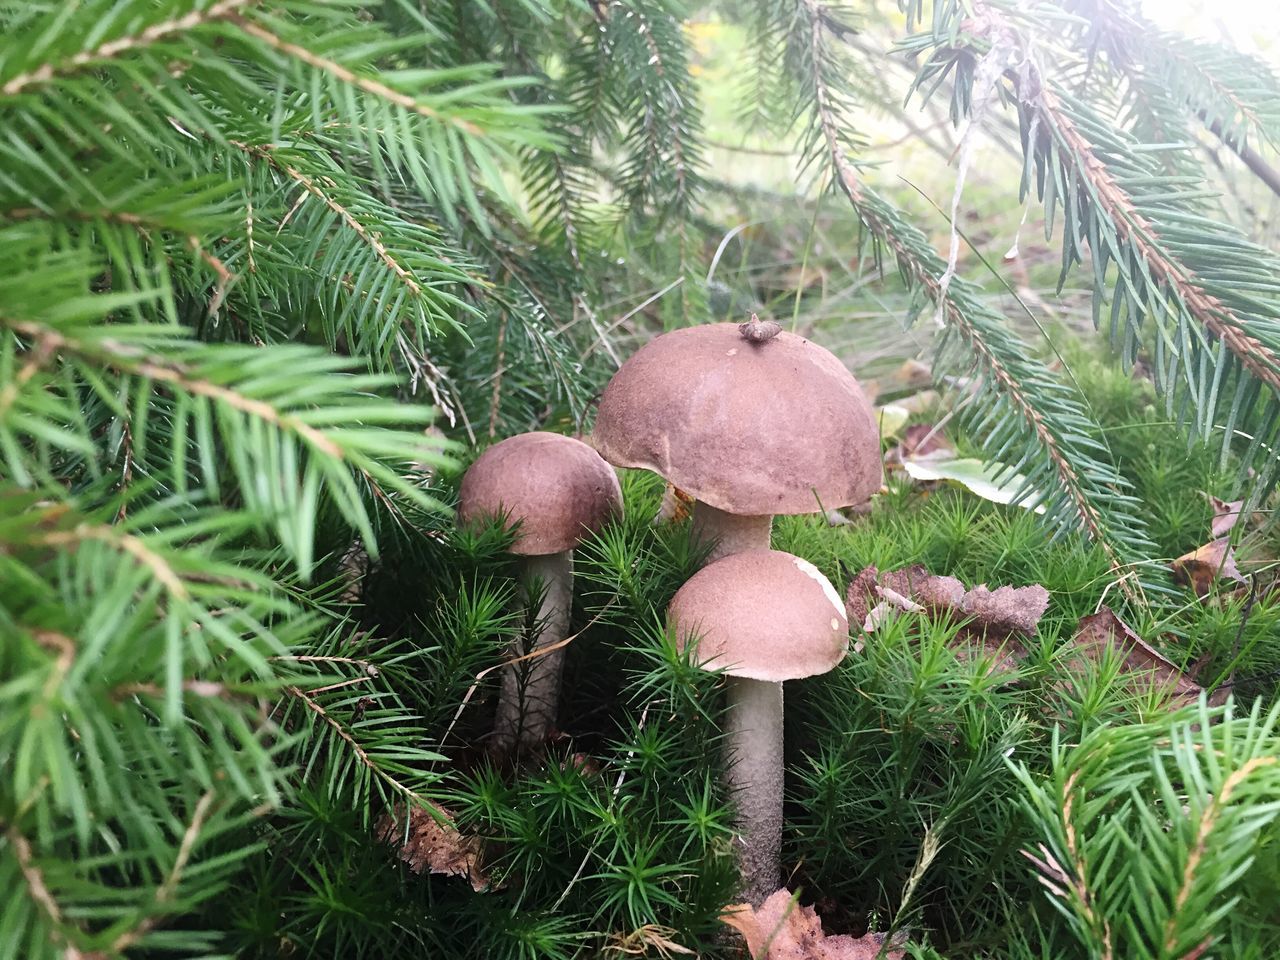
x=750 y=420
x=763 y=617
x=558 y=491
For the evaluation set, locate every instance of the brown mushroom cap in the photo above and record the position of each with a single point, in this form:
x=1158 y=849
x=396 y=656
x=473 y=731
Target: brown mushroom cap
x=558 y=489
x=762 y=614
x=749 y=428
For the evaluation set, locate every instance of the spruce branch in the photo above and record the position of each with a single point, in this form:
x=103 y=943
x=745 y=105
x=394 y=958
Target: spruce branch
x=1131 y=226
x=1164 y=816
x=345 y=75
x=1088 y=491
x=124 y=44
x=166 y=890
x=354 y=243
x=321 y=432
x=358 y=751
x=1209 y=293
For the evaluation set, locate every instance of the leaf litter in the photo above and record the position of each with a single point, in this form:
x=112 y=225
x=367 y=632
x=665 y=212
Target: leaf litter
x=433 y=844
x=782 y=929
x=1143 y=665
x=994 y=619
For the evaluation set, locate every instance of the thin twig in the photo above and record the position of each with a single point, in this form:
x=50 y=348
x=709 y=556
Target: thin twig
x=533 y=654
x=164 y=892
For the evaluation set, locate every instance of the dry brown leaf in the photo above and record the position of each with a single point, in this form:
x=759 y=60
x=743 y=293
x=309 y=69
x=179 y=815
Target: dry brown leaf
x=992 y=613
x=856 y=598
x=1204 y=566
x=432 y=844
x=675 y=507
x=1226 y=513
x=995 y=617
x=781 y=929
x=920 y=441
x=1006 y=609
x=1143 y=664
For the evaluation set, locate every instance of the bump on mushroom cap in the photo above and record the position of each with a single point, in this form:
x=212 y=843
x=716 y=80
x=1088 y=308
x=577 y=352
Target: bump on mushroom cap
x=762 y=614
x=749 y=428
x=556 y=487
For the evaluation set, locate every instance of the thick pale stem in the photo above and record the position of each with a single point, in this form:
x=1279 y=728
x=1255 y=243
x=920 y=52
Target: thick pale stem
x=754 y=741
x=730 y=532
x=531 y=688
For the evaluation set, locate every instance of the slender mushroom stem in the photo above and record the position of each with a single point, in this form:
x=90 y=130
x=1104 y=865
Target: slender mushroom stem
x=531 y=688
x=754 y=739
x=730 y=532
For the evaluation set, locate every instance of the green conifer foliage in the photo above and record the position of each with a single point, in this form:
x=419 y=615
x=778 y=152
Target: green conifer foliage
x=271 y=271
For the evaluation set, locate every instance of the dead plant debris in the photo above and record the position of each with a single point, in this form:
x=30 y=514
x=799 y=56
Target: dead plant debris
x=1144 y=667
x=781 y=929
x=432 y=844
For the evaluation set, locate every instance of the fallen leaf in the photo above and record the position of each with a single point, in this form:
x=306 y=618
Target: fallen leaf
x=432 y=844
x=1226 y=514
x=1006 y=609
x=997 y=613
x=1143 y=664
x=921 y=440
x=675 y=507
x=937 y=593
x=1204 y=566
x=979 y=478
x=781 y=929
x=861 y=589
x=995 y=617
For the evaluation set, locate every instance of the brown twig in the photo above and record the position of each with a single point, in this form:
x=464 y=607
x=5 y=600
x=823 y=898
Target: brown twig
x=127 y=542
x=346 y=216
x=169 y=885
x=1250 y=157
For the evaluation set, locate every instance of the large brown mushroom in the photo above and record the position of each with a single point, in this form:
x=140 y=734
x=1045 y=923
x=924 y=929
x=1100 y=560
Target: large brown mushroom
x=763 y=617
x=749 y=420
x=556 y=491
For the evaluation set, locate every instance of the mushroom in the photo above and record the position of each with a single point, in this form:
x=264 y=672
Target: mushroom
x=557 y=491
x=749 y=420
x=762 y=616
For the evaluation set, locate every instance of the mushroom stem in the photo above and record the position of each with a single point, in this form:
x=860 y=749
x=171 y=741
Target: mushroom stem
x=531 y=688
x=754 y=740
x=730 y=532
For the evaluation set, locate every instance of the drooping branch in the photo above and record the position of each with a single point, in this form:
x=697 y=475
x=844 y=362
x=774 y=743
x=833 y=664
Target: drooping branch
x=1133 y=227
x=924 y=270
